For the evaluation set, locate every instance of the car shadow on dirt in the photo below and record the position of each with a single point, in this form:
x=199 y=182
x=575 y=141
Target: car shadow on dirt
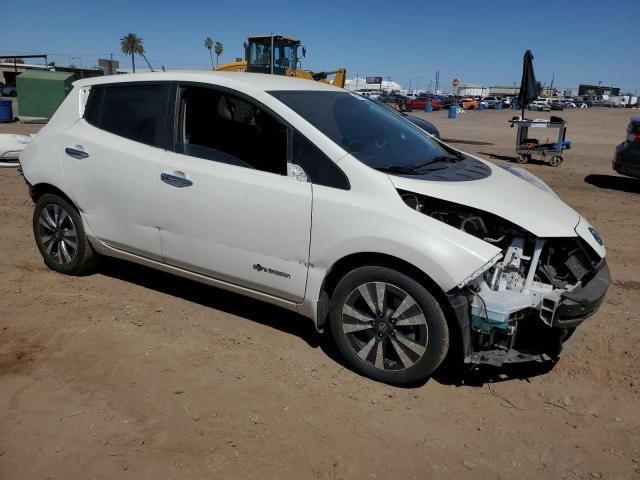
x=214 y=298
x=614 y=182
x=452 y=372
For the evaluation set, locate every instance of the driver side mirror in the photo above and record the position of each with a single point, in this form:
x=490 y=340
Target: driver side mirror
x=296 y=172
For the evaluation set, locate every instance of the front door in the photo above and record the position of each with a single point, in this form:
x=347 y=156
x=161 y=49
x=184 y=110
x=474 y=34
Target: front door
x=227 y=208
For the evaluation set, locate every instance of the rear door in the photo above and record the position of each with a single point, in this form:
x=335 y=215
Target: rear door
x=110 y=159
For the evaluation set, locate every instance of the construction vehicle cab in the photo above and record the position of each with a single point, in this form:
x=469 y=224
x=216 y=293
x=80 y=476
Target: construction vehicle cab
x=274 y=54
x=278 y=55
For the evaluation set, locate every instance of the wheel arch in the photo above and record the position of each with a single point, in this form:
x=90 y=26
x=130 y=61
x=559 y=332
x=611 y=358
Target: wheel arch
x=40 y=189
x=350 y=262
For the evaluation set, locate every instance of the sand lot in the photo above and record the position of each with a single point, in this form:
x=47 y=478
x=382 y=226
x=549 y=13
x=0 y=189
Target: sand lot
x=131 y=373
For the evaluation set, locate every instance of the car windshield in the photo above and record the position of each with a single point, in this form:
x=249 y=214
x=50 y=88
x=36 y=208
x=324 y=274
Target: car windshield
x=379 y=138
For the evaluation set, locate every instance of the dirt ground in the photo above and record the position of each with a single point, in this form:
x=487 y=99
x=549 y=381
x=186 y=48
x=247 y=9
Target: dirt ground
x=131 y=373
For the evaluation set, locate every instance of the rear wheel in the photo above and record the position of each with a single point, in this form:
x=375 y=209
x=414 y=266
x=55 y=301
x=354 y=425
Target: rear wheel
x=387 y=326
x=60 y=236
x=523 y=159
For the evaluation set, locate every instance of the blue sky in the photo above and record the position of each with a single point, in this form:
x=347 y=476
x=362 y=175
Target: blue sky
x=475 y=41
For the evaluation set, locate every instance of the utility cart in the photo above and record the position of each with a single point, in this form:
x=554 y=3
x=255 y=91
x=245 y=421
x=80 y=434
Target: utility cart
x=551 y=149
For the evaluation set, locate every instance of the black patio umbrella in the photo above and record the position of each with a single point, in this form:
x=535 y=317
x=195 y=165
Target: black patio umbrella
x=528 y=85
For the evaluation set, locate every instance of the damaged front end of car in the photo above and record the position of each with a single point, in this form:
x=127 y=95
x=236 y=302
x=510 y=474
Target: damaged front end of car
x=526 y=302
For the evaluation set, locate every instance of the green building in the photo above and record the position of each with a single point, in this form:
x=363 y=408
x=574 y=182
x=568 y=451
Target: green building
x=40 y=92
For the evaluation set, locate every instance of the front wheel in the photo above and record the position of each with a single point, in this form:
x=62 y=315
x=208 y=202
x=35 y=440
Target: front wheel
x=388 y=326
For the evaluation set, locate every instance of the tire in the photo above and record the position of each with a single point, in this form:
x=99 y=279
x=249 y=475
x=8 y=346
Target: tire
x=60 y=236
x=405 y=344
x=522 y=159
x=556 y=161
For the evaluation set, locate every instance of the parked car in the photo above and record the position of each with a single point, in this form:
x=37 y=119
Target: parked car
x=367 y=94
x=569 y=103
x=627 y=157
x=506 y=102
x=556 y=105
x=419 y=103
x=539 y=105
x=428 y=127
x=468 y=103
x=446 y=101
x=9 y=90
x=415 y=248
x=492 y=102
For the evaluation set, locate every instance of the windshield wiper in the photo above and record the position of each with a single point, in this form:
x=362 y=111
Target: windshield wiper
x=447 y=159
x=421 y=167
x=406 y=170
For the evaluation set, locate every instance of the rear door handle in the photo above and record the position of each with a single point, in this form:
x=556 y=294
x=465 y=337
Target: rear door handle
x=76 y=152
x=175 y=180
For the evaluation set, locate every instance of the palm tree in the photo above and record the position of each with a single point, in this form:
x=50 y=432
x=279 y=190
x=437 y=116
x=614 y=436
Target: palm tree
x=132 y=45
x=218 y=49
x=208 y=44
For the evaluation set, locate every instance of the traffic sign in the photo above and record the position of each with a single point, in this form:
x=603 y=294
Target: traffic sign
x=455 y=82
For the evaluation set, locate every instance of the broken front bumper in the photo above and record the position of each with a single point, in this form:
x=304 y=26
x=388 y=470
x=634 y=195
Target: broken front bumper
x=581 y=303
x=545 y=342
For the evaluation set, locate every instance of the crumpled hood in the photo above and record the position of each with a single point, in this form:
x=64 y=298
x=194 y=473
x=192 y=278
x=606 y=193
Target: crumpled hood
x=504 y=194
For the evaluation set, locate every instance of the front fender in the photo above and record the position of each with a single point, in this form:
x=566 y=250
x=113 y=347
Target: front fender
x=349 y=222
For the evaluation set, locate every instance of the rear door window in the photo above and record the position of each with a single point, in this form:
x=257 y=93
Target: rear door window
x=136 y=112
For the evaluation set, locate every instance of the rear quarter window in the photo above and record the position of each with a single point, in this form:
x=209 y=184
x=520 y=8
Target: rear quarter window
x=92 y=107
x=136 y=112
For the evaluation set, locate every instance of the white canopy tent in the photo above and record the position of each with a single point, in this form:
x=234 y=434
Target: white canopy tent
x=360 y=83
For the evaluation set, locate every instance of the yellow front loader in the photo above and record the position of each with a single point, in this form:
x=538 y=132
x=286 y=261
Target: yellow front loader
x=278 y=55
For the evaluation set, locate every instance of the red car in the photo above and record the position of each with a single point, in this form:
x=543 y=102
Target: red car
x=419 y=103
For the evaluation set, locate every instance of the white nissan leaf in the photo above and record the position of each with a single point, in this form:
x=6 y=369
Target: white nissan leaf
x=315 y=199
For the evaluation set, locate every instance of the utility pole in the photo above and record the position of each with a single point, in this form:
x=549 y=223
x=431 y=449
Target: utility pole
x=437 y=81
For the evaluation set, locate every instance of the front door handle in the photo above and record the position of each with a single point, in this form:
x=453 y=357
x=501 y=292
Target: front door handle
x=175 y=180
x=76 y=152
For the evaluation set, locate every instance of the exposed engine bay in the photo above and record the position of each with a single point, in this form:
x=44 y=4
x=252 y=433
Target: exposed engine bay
x=519 y=306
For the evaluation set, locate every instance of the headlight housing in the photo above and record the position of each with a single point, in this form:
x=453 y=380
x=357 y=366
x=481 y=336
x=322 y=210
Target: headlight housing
x=528 y=177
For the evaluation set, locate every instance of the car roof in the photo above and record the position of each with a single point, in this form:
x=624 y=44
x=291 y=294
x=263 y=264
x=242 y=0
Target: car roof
x=241 y=80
